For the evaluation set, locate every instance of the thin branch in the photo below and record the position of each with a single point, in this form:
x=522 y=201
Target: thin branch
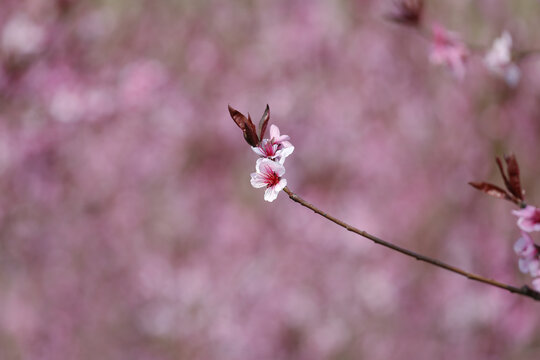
x=525 y=290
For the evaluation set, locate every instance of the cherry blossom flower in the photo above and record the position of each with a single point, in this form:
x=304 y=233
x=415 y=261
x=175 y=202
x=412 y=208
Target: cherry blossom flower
x=277 y=147
x=277 y=138
x=528 y=255
x=447 y=49
x=21 y=36
x=524 y=246
x=266 y=149
x=529 y=218
x=498 y=60
x=268 y=174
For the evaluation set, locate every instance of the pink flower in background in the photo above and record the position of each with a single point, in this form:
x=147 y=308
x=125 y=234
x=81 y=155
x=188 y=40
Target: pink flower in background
x=524 y=246
x=141 y=82
x=528 y=254
x=448 y=50
x=529 y=218
x=277 y=147
x=268 y=174
x=22 y=36
x=498 y=60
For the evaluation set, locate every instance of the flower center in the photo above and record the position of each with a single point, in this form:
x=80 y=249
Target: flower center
x=271 y=178
x=268 y=148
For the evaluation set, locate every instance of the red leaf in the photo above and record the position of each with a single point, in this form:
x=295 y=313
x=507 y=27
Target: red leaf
x=493 y=190
x=238 y=118
x=503 y=173
x=514 y=183
x=251 y=134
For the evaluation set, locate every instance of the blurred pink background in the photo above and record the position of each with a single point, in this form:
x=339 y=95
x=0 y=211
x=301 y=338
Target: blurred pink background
x=129 y=228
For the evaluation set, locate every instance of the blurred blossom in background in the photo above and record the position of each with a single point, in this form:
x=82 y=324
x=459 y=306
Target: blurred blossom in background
x=129 y=228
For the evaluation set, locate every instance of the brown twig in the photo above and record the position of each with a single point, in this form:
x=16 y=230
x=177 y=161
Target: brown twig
x=524 y=290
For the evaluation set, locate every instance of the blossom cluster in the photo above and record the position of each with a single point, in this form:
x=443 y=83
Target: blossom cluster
x=272 y=152
x=525 y=248
x=528 y=216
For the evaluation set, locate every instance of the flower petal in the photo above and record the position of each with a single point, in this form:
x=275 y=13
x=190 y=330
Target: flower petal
x=257 y=150
x=270 y=194
x=528 y=211
x=280 y=185
x=257 y=181
x=274 y=132
x=523 y=265
x=267 y=166
x=524 y=246
x=283 y=153
x=258 y=164
x=534 y=267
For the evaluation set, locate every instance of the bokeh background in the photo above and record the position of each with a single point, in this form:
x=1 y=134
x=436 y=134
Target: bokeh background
x=128 y=226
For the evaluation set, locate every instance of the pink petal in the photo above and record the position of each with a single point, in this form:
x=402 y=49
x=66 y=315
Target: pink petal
x=534 y=267
x=281 y=185
x=272 y=192
x=257 y=181
x=258 y=164
x=274 y=132
x=283 y=153
x=286 y=144
x=275 y=135
x=528 y=211
x=257 y=150
x=267 y=166
x=523 y=265
x=524 y=246
x=536 y=284
x=528 y=225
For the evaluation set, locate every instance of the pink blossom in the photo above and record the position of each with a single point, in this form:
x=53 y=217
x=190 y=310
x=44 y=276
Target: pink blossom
x=529 y=218
x=277 y=147
x=529 y=266
x=524 y=246
x=498 y=60
x=266 y=149
x=528 y=255
x=22 y=36
x=447 y=49
x=268 y=174
x=276 y=137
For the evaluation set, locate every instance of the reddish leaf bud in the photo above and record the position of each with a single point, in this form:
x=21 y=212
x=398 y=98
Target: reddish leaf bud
x=246 y=125
x=511 y=176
